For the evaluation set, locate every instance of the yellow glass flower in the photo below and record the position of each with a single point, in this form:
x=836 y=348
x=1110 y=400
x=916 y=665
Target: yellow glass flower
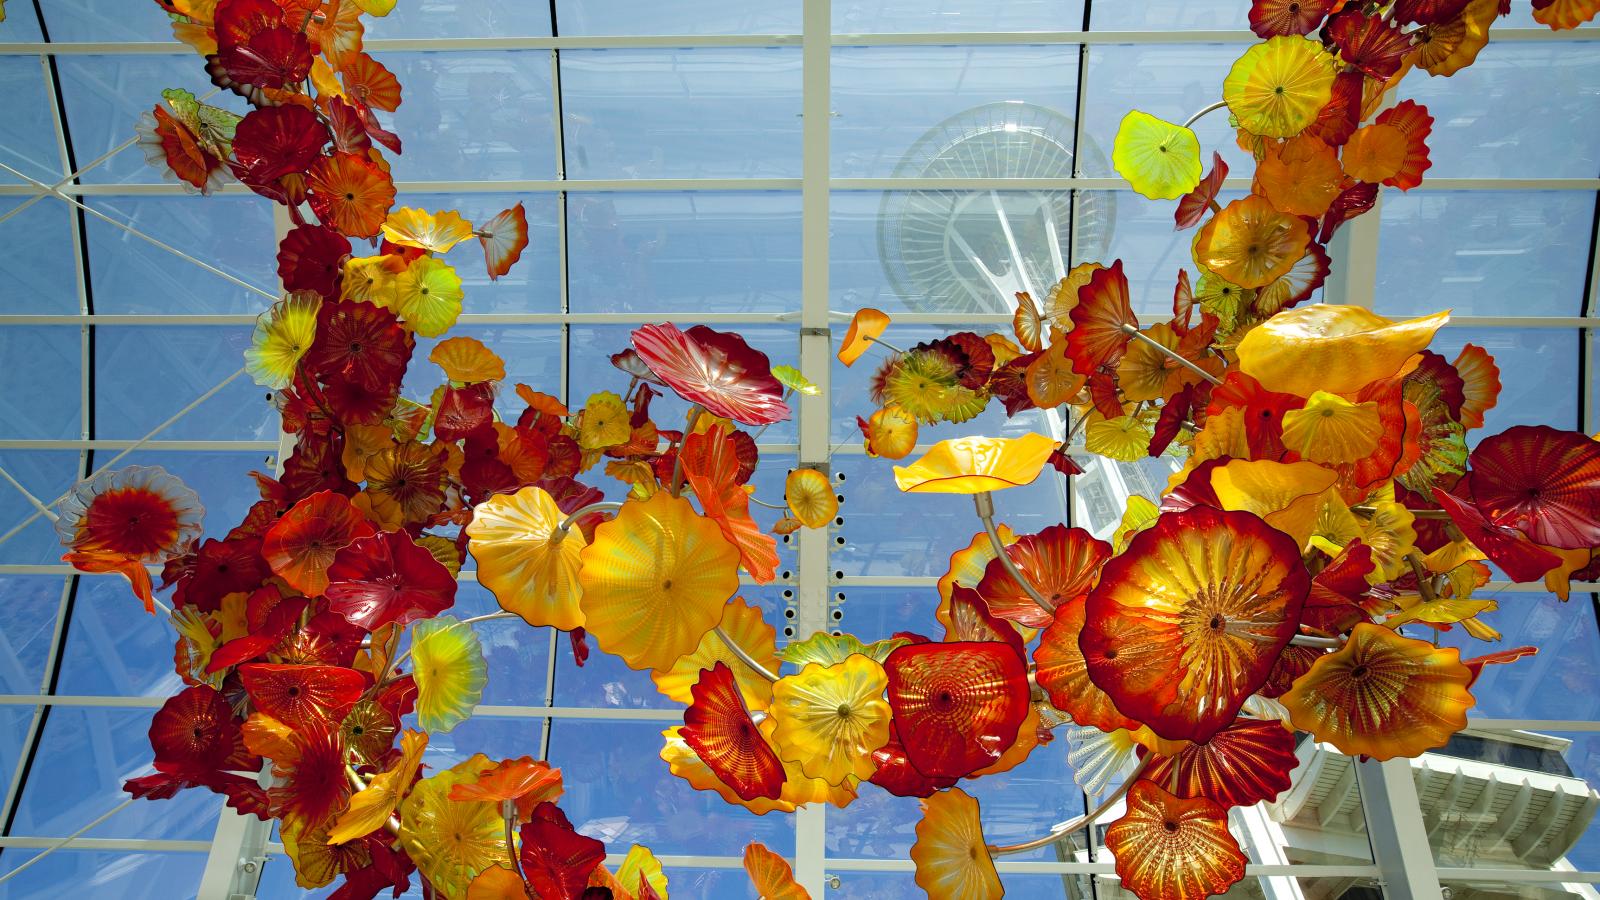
x=1125 y=438
x=466 y=360
x=1278 y=86
x=1145 y=373
x=1251 y=243
x=891 y=433
x=1338 y=349
x=282 y=336
x=1383 y=695
x=1331 y=429
x=434 y=232
x=967 y=568
x=953 y=862
x=452 y=841
x=603 y=422
x=810 y=497
x=1160 y=160
x=428 y=296
x=1392 y=535
x=369 y=279
x=447 y=663
x=798 y=789
x=975 y=464
x=831 y=718
x=1050 y=379
x=865 y=325
x=523 y=557
x=372 y=805
x=641 y=865
x=655 y=580
x=748 y=628
x=1287 y=495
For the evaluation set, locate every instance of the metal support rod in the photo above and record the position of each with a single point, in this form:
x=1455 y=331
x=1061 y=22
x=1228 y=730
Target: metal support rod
x=1220 y=104
x=744 y=655
x=1170 y=353
x=1082 y=821
x=35 y=501
x=580 y=512
x=66 y=840
x=983 y=502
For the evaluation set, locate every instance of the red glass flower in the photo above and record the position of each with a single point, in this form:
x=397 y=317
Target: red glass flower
x=957 y=705
x=715 y=369
x=387 y=578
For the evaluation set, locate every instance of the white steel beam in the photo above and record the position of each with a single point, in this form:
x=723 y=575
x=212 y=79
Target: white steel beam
x=1395 y=828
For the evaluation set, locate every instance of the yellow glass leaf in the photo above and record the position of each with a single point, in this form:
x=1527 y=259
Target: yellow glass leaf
x=1125 y=438
x=434 y=232
x=316 y=862
x=1451 y=555
x=451 y=841
x=1286 y=495
x=655 y=580
x=428 y=296
x=810 y=497
x=1160 y=160
x=371 y=806
x=830 y=719
x=466 y=360
x=1444 y=611
x=1331 y=429
x=524 y=558
x=369 y=279
x=952 y=859
x=1278 y=86
x=1145 y=373
x=641 y=865
x=283 y=335
x=976 y=464
x=378 y=8
x=891 y=433
x=1338 y=349
x=770 y=875
x=1063 y=297
x=447 y=663
x=603 y=422
x=967 y=567
x=1390 y=534
x=1140 y=514
x=748 y=628
x=1224 y=435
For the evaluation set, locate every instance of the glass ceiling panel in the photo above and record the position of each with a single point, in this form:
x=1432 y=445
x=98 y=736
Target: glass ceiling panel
x=117 y=873
x=473 y=116
x=596 y=17
x=113 y=654
x=40 y=267
x=146 y=373
x=28 y=142
x=1169 y=15
x=27 y=619
x=105 y=96
x=39 y=383
x=1538 y=374
x=132 y=276
x=865 y=16
x=455 y=19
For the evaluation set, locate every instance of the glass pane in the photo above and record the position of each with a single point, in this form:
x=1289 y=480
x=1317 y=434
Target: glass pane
x=586 y=17
x=942 y=251
x=23 y=25
x=473 y=116
x=689 y=252
x=1530 y=361
x=1511 y=113
x=1512 y=800
x=681 y=113
x=105 y=95
x=41 y=268
x=113 y=648
x=533 y=284
x=954 y=111
x=1485 y=253
x=85 y=754
x=453 y=19
x=27 y=622
x=867 y=16
x=1550 y=685
x=104 y=21
x=29 y=141
x=47 y=474
x=131 y=276
x=145 y=374
x=41 y=383
x=619 y=791
x=111 y=874
x=1168 y=15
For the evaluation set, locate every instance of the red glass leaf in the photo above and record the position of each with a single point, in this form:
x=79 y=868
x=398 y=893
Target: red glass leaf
x=896 y=774
x=715 y=369
x=311 y=258
x=1061 y=563
x=303 y=543
x=1103 y=311
x=196 y=732
x=388 y=578
x=1372 y=44
x=1193 y=206
x=1506 y=547
x=301 y=696
x=1243 y=764
x=556 y=859
x=718 y=728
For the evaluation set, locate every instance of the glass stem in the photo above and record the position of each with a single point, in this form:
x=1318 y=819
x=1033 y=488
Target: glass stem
x=1170 y=353
x=744 y=655
x=1079 y=823
x=1220 y=104
x=580 y=512
x=983 y=502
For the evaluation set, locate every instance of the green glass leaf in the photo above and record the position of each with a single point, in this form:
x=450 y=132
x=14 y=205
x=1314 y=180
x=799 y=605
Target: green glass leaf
x=829 y=649
x=448 y=665
x=790 y=377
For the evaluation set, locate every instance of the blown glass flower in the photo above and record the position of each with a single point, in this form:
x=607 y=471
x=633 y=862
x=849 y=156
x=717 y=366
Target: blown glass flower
x=715 y=369
x=976 y=464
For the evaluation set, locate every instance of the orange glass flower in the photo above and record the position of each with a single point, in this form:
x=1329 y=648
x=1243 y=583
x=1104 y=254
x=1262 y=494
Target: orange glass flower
x=957 y=705
x=1338 y=349
x=866 y=325
x=1100 y=320
x=350 y=194
x=1251 y=243
x=746 y=626
x=952 y=860
x=770 y=875
x=1243 y=764
x=300 y=546
x=1382 y=695
x=718 y=728
x=140 y=513
x=1188 y=621
x=1062 y=563
x=976 y=464
x=1171 y=849
x=654 y=581
x=1063 y=674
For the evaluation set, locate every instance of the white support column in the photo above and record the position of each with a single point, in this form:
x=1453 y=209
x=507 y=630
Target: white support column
x=816 y=356
x=1394 y=826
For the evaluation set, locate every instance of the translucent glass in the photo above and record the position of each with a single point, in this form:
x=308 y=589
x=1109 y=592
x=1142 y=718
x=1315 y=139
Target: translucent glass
x=497 y=737
x=144 y=374
x=47 y=474
x=113 y=647
x=1532 y=362
x=1550 y=685
x=40 y=265
x=27 y=621
x=1172 y=15
x=473 y=116
x=689 y=252
x=105 y=95
x=221 y=479
x=451 y=19
x=85 y=754
x=867 y=16
x=40 y=390
x=108 y=21
x=593 y=17
x=707 y=113
x=931 y=111
x=109 y=874
x=23 y=25
x=131 y=276
x=29 y=141
x=532 y=354
x=618 y=790
x=1512 y=800
x=533 y=284
x=1512 y=113
x=1486 y=253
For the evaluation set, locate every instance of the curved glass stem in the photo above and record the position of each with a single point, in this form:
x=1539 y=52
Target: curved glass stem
x=1079 y=823
x=744 y=655
x=580 y=512
x=983 y=502
x=1220 y=104
x=1170 y=353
